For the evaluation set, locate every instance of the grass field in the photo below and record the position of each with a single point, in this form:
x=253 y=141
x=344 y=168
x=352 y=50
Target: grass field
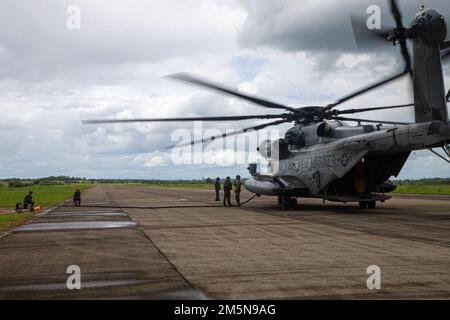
x=9 y=220
x=423 y=189
x=43 y=195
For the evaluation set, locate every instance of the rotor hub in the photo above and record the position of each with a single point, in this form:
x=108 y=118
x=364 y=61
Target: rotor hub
x=430 y=26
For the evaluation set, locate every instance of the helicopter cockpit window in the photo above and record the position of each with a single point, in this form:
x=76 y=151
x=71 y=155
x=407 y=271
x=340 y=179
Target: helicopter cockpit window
x=296 y=137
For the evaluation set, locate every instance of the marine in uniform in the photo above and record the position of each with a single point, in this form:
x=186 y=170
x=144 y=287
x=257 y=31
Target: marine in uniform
x=217 y=188
x=77 y=198
x=227 y=187
x=28 y=201
x=237 y=190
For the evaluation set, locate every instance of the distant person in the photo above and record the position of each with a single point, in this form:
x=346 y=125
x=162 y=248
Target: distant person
x=217 y=187
x=237 y=190
x=28 y=201
x=18 y=207
x=227 y=187
x=77 y=198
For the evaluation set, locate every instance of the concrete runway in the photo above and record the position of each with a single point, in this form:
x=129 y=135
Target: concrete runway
x=181 y=246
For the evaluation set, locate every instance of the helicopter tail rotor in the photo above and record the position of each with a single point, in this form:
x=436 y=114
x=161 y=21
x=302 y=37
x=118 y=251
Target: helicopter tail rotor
x=397 y=35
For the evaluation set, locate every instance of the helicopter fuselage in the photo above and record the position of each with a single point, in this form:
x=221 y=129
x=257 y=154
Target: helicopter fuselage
x=338 y=162
x=331 y=160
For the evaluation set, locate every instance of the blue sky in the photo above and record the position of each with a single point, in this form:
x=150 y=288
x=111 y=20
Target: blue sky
x=293 y=52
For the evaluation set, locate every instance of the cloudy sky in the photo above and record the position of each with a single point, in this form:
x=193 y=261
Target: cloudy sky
x=295 y=52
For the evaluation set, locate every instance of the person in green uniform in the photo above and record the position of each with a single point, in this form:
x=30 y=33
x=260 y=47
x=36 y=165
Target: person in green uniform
x=227 y=187
x=217 y=188
x=237 y=190
x=77 y=198
x=28 y=201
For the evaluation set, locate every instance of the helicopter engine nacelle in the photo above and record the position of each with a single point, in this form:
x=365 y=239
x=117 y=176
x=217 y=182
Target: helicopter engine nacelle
x=324 y=130
x=277 y=150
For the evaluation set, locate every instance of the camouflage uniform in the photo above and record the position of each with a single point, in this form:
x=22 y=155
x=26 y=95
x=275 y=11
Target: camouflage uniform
x=237 y=190
x=217 y=188
x=227 y=187
x=28 y=201
x=77 y=198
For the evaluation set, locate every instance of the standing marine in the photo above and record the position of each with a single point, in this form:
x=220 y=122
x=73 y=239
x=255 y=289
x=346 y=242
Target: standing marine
x=227 y=187
x=77 y=198
x=237 y=190
x=217 y=187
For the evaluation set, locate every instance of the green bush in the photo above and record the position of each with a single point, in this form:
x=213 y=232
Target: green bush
x=19 y=184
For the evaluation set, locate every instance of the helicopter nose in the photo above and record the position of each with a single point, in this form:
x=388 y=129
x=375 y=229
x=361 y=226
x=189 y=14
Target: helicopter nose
x=430 y=26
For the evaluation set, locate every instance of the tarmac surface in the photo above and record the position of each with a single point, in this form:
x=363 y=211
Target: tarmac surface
x=146 y=243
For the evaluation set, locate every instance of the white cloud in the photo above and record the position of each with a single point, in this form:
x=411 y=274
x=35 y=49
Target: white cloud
x=51 y=78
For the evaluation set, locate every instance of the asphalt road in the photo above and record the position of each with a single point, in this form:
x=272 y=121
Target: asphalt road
x=143 y=243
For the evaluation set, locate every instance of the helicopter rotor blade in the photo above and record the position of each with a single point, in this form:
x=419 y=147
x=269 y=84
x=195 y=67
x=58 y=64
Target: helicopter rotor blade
x=352 y=111
x=184 y=77
x=396 y=13
x=406 y=56
x=211 y=139
x=220 y=118
x=366 y=89
x=403 y=45
x=371 y=121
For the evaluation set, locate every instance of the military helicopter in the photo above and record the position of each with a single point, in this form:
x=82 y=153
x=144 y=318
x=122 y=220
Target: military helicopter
x=324 y=157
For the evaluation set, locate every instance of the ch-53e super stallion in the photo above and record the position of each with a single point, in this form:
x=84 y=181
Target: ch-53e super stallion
x=322 y=156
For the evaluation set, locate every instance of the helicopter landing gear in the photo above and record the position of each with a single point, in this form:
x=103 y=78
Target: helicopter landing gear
x=287 y=203
x=284 y=203
x=367 y=204
x=294 y=204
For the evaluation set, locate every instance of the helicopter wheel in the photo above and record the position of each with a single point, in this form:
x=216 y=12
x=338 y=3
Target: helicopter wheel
x=363 y=204
x=280 y=199
x=285 y=203
x=294 y=204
